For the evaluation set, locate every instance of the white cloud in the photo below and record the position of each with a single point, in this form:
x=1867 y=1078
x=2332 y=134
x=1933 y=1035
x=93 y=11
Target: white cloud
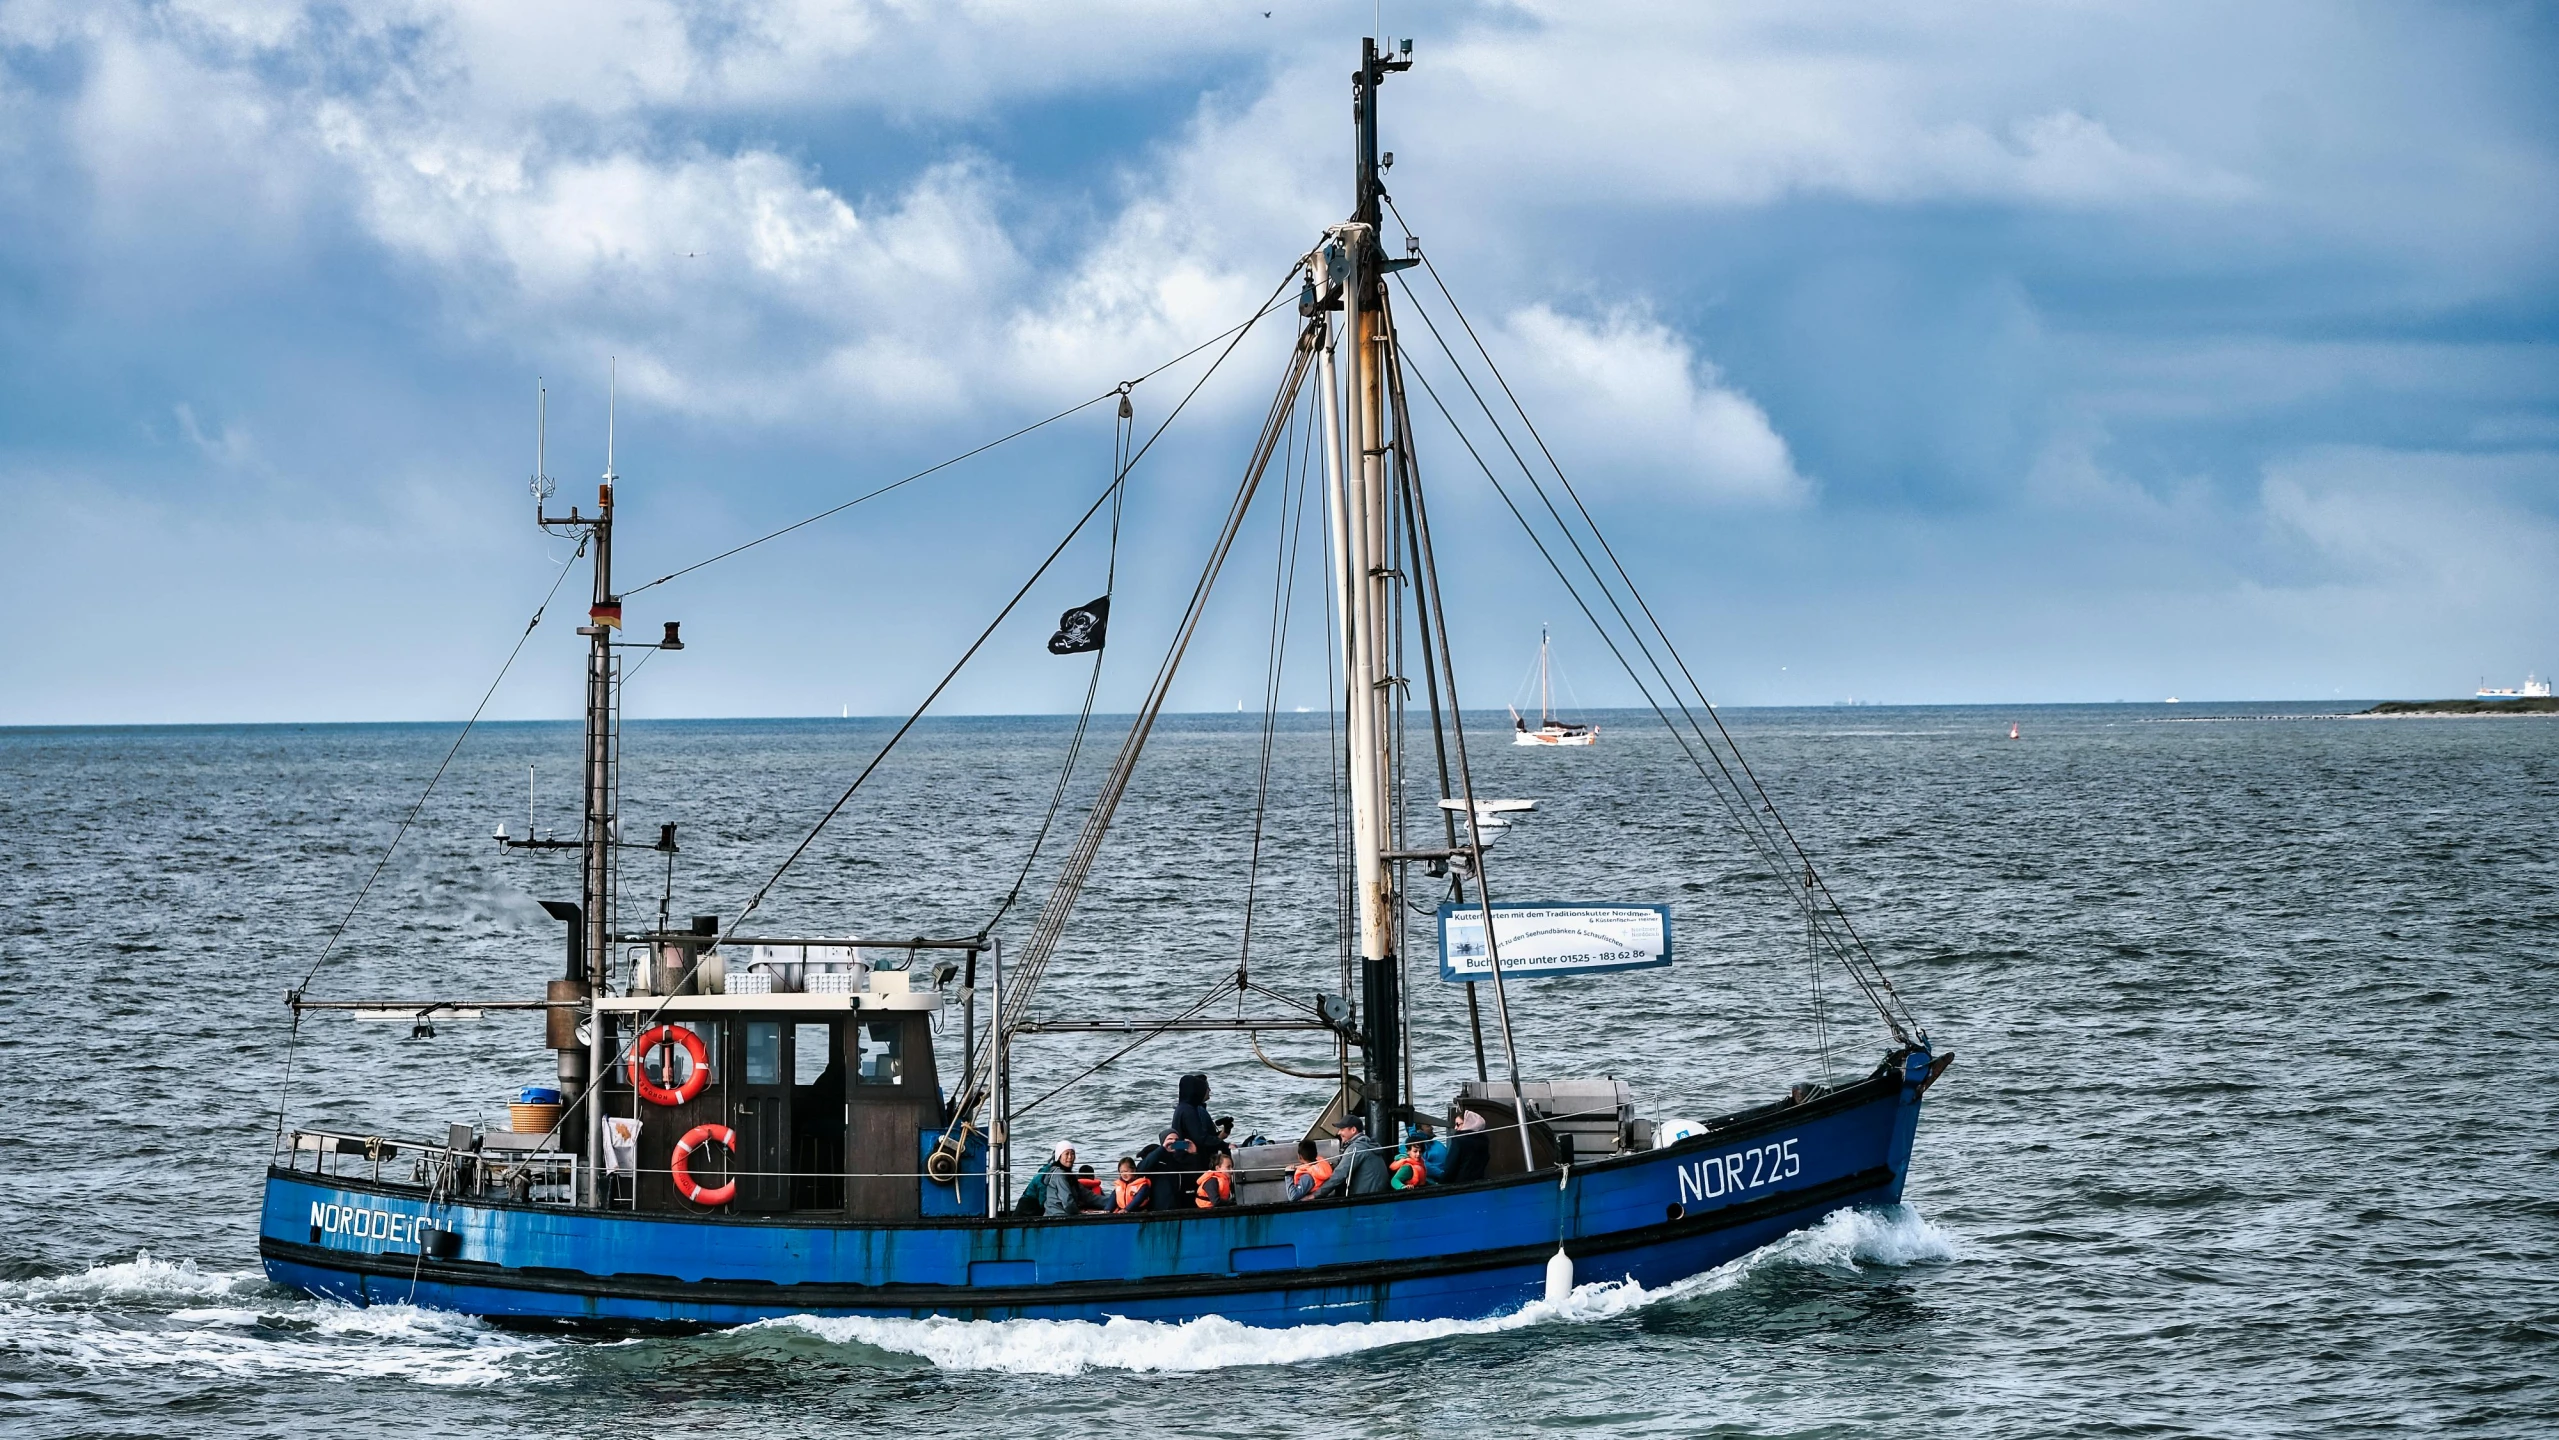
x=1632 y=401
x=533 y=163
x=2455 y=524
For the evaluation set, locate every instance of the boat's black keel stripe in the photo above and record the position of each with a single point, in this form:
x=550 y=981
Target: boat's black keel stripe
x=823 y=1295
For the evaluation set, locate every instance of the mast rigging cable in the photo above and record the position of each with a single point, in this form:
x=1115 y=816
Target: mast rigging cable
x=1821 y=907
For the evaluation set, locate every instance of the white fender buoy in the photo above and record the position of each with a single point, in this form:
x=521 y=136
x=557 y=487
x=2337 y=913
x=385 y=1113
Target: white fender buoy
x=1559 y=1277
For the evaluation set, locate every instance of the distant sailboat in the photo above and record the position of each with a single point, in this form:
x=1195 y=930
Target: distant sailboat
x=2012 y=729
x=1549 y=731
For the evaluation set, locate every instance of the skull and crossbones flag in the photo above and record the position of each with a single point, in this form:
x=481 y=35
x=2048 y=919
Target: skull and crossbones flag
x=1081 y=629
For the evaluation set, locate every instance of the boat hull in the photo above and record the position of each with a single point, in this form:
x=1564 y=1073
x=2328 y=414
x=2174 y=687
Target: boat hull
x=1456 y=1252
x=1534 y=737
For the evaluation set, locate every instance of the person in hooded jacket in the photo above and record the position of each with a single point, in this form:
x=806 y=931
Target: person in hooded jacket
x=1162 y=1163
x=1192 y=1122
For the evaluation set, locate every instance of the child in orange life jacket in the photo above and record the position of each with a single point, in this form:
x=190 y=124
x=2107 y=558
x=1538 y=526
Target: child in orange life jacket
x=1131 y=1192
x=1217 y=1187
x=1408 y=1170
x=1311 y=1170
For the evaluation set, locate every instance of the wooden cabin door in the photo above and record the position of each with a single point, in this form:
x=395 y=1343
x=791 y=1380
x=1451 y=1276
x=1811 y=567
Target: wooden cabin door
x=760 y=1098
x=814 y=1050
x=894 y=1097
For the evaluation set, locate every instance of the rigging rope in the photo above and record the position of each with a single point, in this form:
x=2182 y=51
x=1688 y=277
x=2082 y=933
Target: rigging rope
x=411 y=818
x=294 y=1032
x=1121 y=433
x=1051 y=924
x=1820 y=913
x=1283 y=596
x=1120 y=390
x=1238 y=333
x=1878 y=977
x=909 y=723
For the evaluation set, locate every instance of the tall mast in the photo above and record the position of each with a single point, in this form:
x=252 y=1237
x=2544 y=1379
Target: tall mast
x=1545 y=685
x=1366 y=575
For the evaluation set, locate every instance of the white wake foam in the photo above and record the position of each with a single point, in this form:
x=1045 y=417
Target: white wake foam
x=1895 y=1236
x=148 y=1313
x=141 y=1279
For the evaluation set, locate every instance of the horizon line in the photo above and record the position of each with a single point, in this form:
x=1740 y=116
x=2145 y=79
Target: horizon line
x=1635 y=710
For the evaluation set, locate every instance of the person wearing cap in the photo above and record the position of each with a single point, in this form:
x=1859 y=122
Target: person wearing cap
x=1361 y=1168
x=1063 y=1193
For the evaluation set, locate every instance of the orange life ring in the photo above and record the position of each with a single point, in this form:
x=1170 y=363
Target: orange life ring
x=682 y=1165
x=657 y=1094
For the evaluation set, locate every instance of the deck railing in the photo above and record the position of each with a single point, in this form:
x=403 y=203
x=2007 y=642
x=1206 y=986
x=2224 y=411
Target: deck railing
x=465 y=1167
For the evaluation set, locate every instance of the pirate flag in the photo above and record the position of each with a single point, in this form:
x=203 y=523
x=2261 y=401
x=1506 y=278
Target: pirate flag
x=1081 y=628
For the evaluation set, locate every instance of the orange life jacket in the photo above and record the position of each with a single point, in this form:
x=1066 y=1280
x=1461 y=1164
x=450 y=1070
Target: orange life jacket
x=1129 y=1195
x=1406 y=1174
x=1216 y=1189
x=1318 y=1170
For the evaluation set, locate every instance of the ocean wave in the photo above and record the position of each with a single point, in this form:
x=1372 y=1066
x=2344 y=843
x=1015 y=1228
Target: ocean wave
x=1847 y=1240
x=140 y=1280
x=163 y=1315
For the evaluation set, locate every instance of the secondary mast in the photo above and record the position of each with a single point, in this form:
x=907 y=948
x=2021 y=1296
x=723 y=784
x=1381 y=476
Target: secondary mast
x=577 y=1067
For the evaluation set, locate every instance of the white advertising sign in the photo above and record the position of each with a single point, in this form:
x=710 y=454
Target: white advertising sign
x=1552 y=938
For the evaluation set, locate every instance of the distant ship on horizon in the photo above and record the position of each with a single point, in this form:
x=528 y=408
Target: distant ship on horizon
x=2534 y=688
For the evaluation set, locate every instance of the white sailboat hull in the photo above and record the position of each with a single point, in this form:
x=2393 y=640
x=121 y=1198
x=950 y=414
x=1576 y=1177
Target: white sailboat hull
x=1555 y=735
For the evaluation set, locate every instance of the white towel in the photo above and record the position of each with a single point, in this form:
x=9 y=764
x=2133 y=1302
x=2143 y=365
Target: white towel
x=621 y=1145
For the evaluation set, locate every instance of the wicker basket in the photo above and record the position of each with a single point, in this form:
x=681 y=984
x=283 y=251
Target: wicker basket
x=526 y=1119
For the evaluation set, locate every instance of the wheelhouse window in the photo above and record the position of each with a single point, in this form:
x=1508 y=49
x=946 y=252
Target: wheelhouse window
x=811 y=1048
x=883 y=1045
x=763 y=1052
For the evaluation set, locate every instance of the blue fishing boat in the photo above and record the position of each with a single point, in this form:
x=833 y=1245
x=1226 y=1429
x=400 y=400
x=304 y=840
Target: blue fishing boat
x=750 y=1125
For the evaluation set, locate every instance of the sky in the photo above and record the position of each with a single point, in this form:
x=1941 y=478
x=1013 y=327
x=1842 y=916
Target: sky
x=1986 y=353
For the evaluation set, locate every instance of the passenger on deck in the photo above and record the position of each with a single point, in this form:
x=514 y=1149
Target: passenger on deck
x=1435 y=1155
x=1470 y=1152
x=1217 y=1187
x=1311 y=1170
x=1131 y=1191
x=1362 y=1168
x=1192 y=1122
x=1062 y=1193
x=1092 y=1184
x=1407 y=1171
x=1162 y=1163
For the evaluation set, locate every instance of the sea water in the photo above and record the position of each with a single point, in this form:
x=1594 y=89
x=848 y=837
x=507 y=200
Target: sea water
x=2251 y=1128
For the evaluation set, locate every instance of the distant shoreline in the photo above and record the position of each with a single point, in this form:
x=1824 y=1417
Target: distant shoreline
x=2452 y=709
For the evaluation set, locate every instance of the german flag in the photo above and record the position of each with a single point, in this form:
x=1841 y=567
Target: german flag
x=609 y=614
